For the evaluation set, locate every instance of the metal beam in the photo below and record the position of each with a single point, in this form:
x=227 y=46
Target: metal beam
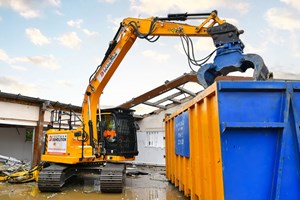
x=38 y=138
x=175 y=101
x=154 y=105
x=169 y=85
x=168 y=98
x=186 y=91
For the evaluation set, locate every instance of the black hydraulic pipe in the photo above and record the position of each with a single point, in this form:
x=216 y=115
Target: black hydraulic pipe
x=90 y=123
x=82 y=144
x=111 y=47
x=112 y=44
x=183 y=16
x=91 y=133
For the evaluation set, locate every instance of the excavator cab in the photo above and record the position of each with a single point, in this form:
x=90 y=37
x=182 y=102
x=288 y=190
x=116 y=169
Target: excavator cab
x=117 y=133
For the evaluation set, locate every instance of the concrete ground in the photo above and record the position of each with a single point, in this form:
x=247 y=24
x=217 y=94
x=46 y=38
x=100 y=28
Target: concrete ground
x=153 y=186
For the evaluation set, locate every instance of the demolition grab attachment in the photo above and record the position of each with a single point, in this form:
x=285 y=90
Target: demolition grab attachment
x=229 y=57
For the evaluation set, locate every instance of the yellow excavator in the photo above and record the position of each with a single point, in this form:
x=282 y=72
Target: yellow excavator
x=107 y=138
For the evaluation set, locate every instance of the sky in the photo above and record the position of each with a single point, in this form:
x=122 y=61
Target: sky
x=49 y=48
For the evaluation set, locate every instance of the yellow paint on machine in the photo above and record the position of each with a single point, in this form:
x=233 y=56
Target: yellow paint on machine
x=200 y=175
x=62 y=146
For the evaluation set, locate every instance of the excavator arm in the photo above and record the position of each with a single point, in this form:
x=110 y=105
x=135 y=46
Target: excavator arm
x=229 y=55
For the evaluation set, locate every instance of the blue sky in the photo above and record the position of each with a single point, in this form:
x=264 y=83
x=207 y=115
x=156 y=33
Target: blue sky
x=49 y=48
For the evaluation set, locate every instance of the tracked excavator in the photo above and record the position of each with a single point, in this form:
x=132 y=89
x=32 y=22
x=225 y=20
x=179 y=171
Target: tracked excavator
x=107 y=138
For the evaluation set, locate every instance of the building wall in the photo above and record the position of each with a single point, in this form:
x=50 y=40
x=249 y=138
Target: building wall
x=151 y=147
x=13 y=118
x=18 y=114
x=13 y=143
x=151 y=143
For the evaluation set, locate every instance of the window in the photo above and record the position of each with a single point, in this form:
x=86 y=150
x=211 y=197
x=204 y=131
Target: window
x=155 y=139
x=29 y=134
x=109 y=128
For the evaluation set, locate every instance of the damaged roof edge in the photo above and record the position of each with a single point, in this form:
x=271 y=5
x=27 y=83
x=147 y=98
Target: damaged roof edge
x=18 y=98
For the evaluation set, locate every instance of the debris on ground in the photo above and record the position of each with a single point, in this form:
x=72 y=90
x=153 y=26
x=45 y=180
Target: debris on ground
x=16 y=171
x=51 y=196
x=136 y=173
x=9 y=159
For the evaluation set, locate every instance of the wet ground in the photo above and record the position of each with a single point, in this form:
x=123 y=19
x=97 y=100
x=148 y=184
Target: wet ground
x=153 y=186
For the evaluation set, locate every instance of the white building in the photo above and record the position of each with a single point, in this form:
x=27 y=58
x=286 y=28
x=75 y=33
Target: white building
x=24 y=119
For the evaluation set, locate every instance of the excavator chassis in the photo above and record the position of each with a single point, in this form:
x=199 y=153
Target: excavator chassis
x=54 y=177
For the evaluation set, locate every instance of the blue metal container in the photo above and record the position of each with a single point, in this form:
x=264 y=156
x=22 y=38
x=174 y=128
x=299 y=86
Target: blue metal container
x=260 y=139
x=255 y=127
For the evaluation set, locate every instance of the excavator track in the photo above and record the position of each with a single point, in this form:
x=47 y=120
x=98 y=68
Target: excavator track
x=53 y=178
x=112 y=178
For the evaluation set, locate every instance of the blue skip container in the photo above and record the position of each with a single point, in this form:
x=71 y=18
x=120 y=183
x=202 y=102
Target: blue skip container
x=237 y=140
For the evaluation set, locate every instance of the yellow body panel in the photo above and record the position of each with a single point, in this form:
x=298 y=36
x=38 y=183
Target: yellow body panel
x=69 y=150
x=64 y=159
x=62 y=146
x=199 y=176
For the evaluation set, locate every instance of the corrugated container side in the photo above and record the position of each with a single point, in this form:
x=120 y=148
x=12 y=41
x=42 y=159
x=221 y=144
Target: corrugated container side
x=204 y=159
x=260 y=139
x=237 y=140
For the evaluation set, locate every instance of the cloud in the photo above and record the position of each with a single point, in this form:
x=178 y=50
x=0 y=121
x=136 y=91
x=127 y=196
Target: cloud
x=19 y=68
x=241 y=7
x=54 y=2
x=287 y=19
x=36 y=37
x=293 y=3
x=3 y=56
x=65 y=83
x=29 y=9
x=59 y=13
x=108 y=1
x=13 y=85
x=233 y=21
x=283 y=19
x=23 y=8
x=258 y=49
x=158 y=7
x=89 y=33
x=115 y=22
x=75 y=23
x=48 y=62
x=295 y=44
x=70 y=40
x=155 y=55
x=205 y=45
x=286 y=75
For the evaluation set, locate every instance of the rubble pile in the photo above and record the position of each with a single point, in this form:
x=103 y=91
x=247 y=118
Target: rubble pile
x=13 y=169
